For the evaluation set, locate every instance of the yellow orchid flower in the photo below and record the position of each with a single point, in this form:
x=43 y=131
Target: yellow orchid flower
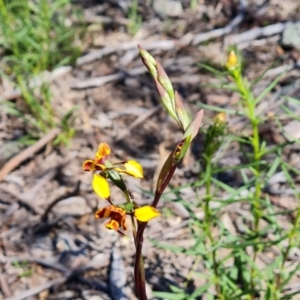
x=117 y=216
x=101 y=157
x=105 y=167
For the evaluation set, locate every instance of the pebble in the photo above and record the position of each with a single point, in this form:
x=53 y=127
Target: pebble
x=167 y=8
x=291 y=35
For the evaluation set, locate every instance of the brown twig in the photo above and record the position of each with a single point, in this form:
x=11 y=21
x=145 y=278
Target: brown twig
x=26 y=199
x=255 y=33
x=49 y=176
x=27 y=153
x=141 y=119
x=5 y=288
x=68 y=274
x=75 y=192
x=40 y=288
x=203 y=37
x=23 y=200
x=90 y=16
x=153 y=45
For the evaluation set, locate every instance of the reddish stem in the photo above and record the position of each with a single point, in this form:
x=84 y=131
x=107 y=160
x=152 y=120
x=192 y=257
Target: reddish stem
x=139 y=271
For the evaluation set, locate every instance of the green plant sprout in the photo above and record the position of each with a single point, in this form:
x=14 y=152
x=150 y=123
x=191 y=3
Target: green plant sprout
x=24 y=266
x=193 y=4
x=35 y=38
x=135 y=20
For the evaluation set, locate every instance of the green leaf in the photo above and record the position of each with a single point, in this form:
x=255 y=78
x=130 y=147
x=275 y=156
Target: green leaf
x=169 y=296
x=193 y=128
x=258 y=79
x=116 y=178
x=268 y=89
x=167 y=247
x=220 y=109
x=199 y=291
x=212 y=70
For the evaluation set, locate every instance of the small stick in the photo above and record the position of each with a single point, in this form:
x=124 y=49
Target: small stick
x=203 y=37
x=5 y=286
x=75 y=192
x=49 y=176
x=26 y=199
x=137 y=122
x=27 y=153
x=255 y=33
x=23 y=200
x=101 y=80
x=40 y=288
x=108 y=50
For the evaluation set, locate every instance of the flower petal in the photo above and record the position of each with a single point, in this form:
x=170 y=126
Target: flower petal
x=232 y=60
x=101 y=187
x=112 y=224
x=133 y=168
x=117 y=217
x=88 y=165
x=110 y=211
x=102 y=153
x=146 y=213
x=103 y=212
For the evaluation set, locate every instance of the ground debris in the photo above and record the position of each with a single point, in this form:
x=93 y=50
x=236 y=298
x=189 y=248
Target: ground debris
x=51 y=245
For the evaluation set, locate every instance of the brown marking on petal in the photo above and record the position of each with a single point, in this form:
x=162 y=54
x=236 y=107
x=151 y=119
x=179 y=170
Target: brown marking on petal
x=117 y=210
x=99 y=167
x=103 y=213
x=110 y=211
x=102 y=153
x=88 y=165
x=178 y=148
x=99 y=213
x=118 y=218
x=112 y=224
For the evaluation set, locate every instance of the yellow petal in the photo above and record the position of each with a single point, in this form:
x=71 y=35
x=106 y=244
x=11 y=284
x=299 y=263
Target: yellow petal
x=232 y=60
x=102 y=153
x=101 y=187
x=112 y=224
x=134 y=169
x=146 y=213
x=220 y=118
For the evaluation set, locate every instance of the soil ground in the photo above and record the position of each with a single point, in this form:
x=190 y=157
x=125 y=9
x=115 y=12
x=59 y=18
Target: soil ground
x=41 y=244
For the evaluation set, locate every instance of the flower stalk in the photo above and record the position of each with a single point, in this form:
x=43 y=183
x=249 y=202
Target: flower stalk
x=105 y=172
x=211 y=145
x=249 y=104
x=174 y=106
